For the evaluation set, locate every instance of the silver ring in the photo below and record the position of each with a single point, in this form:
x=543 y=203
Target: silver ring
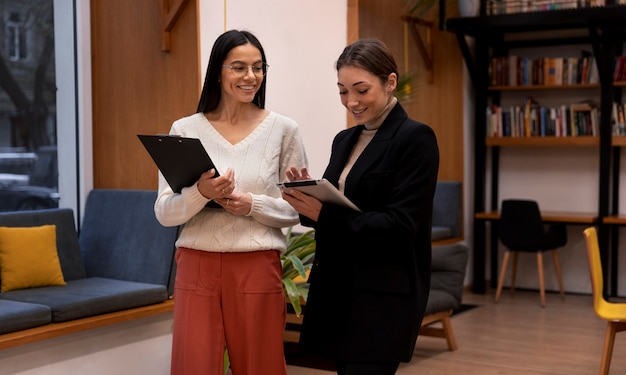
x=223 y=192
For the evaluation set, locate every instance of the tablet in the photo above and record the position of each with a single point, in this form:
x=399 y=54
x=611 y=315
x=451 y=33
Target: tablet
x=322 y=189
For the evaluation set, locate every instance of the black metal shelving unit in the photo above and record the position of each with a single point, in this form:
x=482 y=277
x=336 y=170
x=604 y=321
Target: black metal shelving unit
x=604 y=29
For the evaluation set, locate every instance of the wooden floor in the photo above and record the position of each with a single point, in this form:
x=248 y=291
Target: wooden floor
x=516 y=336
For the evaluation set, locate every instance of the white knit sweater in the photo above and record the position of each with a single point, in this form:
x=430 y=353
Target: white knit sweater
x=259 y=161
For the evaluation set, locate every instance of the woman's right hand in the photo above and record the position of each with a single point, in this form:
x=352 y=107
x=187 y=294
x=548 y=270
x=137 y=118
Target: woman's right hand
x=305 y=204
x=218 y=187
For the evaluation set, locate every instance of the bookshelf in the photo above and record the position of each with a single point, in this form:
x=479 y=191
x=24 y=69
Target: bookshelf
x=484 y=37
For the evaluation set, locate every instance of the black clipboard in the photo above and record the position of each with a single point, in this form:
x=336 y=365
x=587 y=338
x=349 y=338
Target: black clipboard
x=322 y=189
x=181 y=160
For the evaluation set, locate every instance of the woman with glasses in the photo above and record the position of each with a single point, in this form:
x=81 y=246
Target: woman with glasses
x=370 y=280
x=228 y=289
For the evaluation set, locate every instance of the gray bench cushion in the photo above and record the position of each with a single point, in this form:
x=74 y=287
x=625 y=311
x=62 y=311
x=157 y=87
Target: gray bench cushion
x=448 y=273
x=448 y=209
x=90 y=296
x=67 y=240
x=440 y=233
x=439 y=301
x=121 y=238
x=15 y=316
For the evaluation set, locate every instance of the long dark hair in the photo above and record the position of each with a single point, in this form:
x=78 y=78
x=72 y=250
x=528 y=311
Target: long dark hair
x=371 y=55
x=211 y=92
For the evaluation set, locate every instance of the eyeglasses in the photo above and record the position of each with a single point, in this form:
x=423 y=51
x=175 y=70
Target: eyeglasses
x=240 y=70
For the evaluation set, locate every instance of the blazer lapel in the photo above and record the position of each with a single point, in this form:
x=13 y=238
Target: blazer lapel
x=378 y=146
x=343 y=150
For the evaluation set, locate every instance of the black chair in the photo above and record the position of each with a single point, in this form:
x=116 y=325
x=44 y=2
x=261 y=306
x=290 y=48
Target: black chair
x=522 y=230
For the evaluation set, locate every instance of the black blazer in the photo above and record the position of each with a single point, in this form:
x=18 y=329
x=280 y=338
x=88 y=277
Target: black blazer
x=371 y=276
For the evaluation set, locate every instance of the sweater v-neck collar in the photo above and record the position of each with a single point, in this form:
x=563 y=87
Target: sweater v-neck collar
x=246 y=140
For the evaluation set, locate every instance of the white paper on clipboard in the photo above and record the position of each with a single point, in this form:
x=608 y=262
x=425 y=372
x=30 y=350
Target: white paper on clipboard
x=322 y=189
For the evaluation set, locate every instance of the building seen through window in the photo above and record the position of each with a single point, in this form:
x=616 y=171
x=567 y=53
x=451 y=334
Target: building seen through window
x=28 y=141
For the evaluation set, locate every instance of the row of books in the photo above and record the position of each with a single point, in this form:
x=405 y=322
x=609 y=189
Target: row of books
x=521 y=71
x=497 y=7
x=533 y=120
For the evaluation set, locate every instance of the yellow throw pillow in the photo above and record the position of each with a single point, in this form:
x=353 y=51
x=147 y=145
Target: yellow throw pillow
x=29 y=258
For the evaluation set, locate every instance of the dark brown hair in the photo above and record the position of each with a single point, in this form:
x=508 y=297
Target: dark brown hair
x=371 y=55
x=211 y=91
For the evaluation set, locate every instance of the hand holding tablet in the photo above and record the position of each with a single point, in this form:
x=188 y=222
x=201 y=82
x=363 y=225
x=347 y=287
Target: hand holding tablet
x=322 y=189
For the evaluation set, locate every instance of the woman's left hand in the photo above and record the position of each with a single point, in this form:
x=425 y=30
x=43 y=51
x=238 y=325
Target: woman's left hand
x=236 y=203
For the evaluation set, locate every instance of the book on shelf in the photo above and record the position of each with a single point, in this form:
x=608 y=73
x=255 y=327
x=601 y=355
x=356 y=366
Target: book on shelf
x=572 y=70
x=583 y=105
x=563 y=121
x=594 y=76
x=584 y=118
x=618 y=122
x=588 y=68
x=584 y=68
x=549 y=71
x=529 y=110
x=617 y=71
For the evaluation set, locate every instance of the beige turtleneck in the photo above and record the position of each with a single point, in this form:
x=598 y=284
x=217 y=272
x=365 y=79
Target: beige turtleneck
x=364 y=139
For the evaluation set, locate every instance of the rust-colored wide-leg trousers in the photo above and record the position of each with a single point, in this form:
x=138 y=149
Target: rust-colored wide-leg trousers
x=228 y=299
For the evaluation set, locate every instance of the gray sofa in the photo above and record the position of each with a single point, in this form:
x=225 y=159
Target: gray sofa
x=122 y=258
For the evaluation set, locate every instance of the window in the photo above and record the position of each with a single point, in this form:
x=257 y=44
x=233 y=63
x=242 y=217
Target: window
x=36 y=108
x=15 y=38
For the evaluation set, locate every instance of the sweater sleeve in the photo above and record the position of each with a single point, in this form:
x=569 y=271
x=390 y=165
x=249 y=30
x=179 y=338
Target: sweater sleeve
x=173 y=209
x=272 y=209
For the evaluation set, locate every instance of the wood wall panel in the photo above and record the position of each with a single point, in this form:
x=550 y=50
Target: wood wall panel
x=438 y=104
x=138 y=88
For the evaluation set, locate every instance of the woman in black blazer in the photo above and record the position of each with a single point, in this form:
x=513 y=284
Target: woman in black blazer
x=371 y=276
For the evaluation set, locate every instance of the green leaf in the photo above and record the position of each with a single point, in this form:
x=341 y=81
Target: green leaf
x=293 y=295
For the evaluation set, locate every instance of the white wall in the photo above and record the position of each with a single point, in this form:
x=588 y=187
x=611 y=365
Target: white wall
x=301 y=85
x=302 y=40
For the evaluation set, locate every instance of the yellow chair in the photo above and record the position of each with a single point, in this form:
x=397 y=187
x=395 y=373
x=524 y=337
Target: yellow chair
x=613 y=313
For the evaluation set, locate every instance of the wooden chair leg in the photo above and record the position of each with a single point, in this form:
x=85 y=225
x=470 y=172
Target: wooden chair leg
x=607 y=352
x=445 y=331
x=542 y=290
x=449 y=333
x=514 y=273
x=557 y=269
x=505 y=262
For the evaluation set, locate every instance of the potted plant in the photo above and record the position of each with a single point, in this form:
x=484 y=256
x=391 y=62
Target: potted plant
x=296 y=262
x=403 y=89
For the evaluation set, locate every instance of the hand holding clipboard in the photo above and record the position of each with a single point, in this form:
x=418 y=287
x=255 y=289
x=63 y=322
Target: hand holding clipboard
x=181 y=160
